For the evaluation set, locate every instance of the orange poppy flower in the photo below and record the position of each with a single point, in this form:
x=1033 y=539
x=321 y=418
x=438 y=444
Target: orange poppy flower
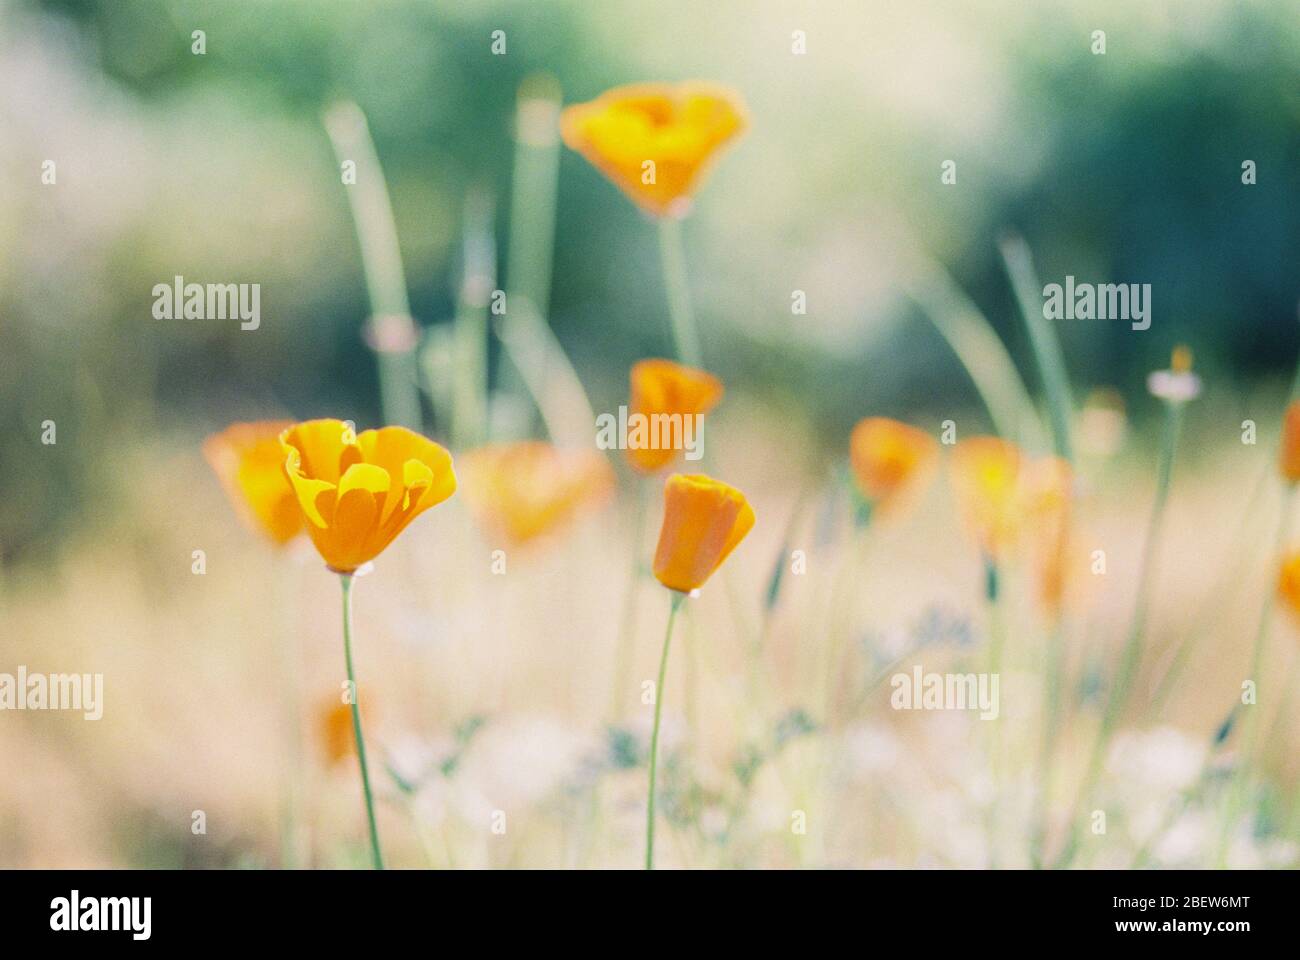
x=986 y=481
x=663 y=388
x=704 y=520
x=1288 y=582
x=888 y=457
x=1289 y=458
x=524 y=490
x=334 y=729
x=655 y=141
x=1048 y=485
x=250 y=464
x=359 y=492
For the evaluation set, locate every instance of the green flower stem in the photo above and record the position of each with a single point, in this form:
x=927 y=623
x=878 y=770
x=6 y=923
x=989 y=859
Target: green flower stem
x=997 y=645
x=287 y=649
x=654 y=735
x=686 y=338
x=1051 y=710
x=346 y=581
x=1250 y=732
x=840 y=618
x=1132 y=652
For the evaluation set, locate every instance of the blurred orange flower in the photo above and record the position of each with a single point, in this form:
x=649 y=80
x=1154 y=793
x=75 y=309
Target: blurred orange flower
x=1288 y=582
x=524 y=490
x=655 y=141
x=1289 y=459
x=986 y=481
x=704 y=520
x=359 y=492
x=250 y=464
x=1048 y=493
x=665 y=388
x=888 y=457
x=334 y=730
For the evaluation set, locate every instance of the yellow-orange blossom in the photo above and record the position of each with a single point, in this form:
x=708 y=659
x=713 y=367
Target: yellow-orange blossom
x=248 y=461
x=655 y=141
x=524 y=490
x=704 y=520
x=359 y=491
x=664 y=387
x=887 y=457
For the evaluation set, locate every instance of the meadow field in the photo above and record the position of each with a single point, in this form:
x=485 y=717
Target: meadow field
x=951 y=580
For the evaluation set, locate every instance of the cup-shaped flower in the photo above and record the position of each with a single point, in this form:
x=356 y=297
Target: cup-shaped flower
x=1289 y=455
x=359 y=491
x=248 y=461
x=667 y=401
x=704 y=520
x=985 y=473
x=655 y=142
x=889 y=458
x=523 y=491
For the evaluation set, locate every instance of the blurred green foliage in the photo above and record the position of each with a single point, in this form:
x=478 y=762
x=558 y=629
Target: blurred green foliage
x=1123 y=168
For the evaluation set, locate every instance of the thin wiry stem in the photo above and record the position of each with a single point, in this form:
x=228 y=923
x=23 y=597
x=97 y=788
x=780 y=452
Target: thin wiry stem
x=392 y=329
x=1042 y=338
x=1132 y=652
x=346 y=581
x=686 y=338
x=1250 y=732
x=654 y=734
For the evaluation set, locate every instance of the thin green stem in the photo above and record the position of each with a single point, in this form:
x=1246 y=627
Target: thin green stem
x=654 y=734
x=979 y=349
x=686 y=338
x=469 y=371
x=532 y=217
x=841 y=619
x=1051 y=710
x=997 y=645
x=393 y=335
x=1132 y=652
x=346 y=581
x=1042 y=338
x=1250 y=732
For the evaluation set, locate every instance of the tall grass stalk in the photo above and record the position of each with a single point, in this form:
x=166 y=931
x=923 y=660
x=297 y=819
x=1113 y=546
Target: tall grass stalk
x=478 y=278
x=1132 y=651
x=391 y=332
x=547 y=373
x=533 y=354
x=979 y=349
x=377 y=855
x=672 y=251
x=1043 y=339
x=1240 y=781
x=676 y=604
